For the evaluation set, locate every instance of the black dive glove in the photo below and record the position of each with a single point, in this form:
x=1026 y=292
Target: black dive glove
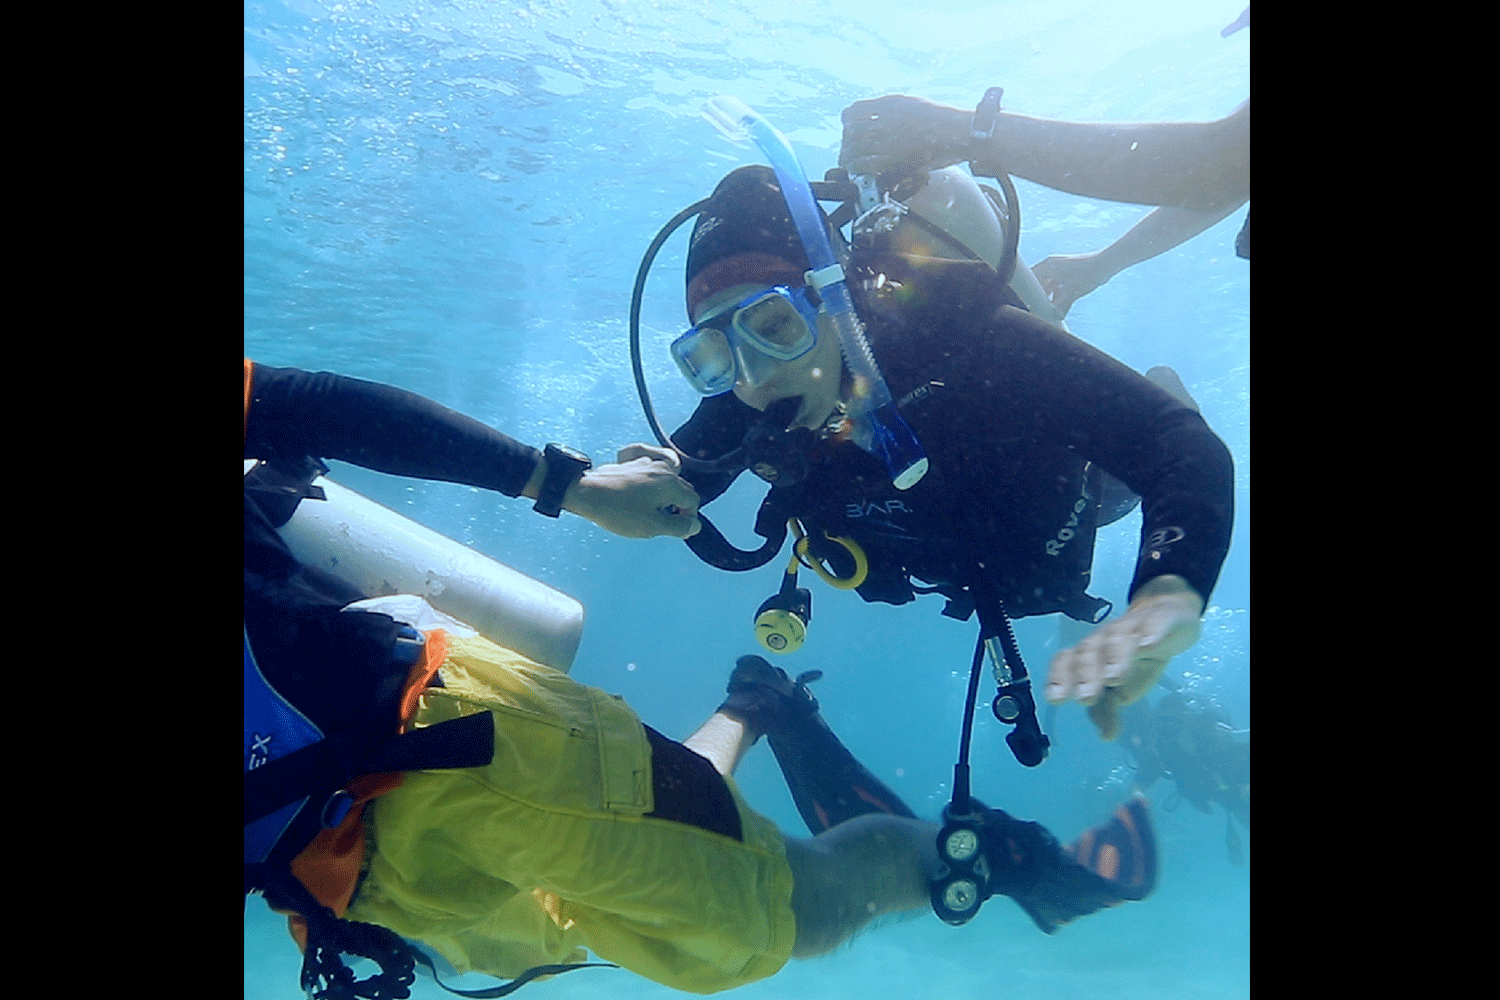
x=906 y=131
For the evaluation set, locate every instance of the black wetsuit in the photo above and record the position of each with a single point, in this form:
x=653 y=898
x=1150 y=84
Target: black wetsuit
x=293 y=413
x=1010 y=410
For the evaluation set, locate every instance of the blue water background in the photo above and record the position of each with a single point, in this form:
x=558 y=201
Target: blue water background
x=454 y=198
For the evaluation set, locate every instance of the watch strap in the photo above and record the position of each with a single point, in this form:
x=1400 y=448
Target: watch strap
x=564 y=468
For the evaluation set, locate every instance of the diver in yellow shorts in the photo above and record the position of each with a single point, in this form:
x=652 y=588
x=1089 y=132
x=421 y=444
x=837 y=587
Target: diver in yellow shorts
x=409 y=780
x=589 y=830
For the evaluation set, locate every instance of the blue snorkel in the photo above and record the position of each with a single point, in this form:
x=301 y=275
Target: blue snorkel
x=878 y=426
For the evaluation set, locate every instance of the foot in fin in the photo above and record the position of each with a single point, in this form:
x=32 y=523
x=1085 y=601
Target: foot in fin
x=1122 y=850
x=765 y=699
x=1108 y=865
x=828 y=785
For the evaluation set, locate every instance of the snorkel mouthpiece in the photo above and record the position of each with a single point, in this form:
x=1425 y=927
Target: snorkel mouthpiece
x=879 y=427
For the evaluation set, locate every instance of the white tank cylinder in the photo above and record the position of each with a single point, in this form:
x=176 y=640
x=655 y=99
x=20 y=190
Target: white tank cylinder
x=954 y=202
x=1025 y=284
x=382 y=552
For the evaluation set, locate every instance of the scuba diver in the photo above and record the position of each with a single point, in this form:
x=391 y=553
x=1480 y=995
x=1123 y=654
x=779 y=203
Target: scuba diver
x=922 y=432
x=1031 y=438
x=1188 y=738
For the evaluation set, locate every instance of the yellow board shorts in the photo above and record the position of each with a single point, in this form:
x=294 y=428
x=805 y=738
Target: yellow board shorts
x=548 y=850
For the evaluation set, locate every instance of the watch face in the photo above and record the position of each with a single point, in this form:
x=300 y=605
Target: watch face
x=572 y=453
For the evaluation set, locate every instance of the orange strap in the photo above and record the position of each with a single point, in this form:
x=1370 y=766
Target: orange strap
x=329 y=866
x=248 y=366
x=436 y=651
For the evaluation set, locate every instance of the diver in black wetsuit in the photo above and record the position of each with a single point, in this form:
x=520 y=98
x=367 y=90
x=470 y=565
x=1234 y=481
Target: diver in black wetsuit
x=1189 y=740
x=1020 y=421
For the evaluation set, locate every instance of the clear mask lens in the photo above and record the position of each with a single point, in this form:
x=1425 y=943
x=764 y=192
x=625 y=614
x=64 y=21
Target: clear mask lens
x=774 y=324
x=706 y=360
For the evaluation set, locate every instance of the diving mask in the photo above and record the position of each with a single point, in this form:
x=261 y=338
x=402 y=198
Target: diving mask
x=747 y=339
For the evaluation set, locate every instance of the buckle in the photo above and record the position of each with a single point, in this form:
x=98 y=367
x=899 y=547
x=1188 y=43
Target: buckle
x=408 y=647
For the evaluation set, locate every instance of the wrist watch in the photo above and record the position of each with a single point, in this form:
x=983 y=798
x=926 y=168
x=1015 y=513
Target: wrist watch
x=982 y=125
x=565 y=466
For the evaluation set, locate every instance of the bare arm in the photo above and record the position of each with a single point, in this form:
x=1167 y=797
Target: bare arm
x=1067 y=278
x=1203 y=166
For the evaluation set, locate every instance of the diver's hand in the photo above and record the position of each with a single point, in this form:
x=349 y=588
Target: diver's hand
x=1120 y=661
x=897 y=129
x=1066 y=278
x=641 y=496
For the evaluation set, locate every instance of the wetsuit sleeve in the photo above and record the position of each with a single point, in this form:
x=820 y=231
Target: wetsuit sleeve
x=716 y=428
x=1136 y=431
x=292 y=413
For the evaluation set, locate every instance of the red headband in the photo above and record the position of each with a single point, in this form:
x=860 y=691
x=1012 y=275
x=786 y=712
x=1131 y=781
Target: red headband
x=750 y=268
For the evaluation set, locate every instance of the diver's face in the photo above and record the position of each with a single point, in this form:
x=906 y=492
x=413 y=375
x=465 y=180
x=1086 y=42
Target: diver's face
x=815 y=376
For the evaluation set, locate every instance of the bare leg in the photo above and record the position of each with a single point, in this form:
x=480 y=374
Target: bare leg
x=857 y=871
x=846 y=876
x=883 y=862
x=723 y=740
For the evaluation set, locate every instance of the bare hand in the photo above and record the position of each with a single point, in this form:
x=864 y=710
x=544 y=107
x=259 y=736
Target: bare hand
x=1067 y=278
x=897 y=129
x=1120 y=661
x=641 y=496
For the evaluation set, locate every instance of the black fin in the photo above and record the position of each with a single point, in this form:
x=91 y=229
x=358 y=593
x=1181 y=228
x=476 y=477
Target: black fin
x=827 y=783
x=1108 y=865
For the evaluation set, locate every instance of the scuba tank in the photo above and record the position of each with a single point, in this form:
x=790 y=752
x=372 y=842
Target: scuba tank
x=382 y=552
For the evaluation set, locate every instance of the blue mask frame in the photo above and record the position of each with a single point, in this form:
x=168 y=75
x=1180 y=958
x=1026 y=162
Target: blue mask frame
x=714 y=355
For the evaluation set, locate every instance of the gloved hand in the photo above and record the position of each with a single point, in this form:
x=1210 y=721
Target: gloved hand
x=906 y=131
